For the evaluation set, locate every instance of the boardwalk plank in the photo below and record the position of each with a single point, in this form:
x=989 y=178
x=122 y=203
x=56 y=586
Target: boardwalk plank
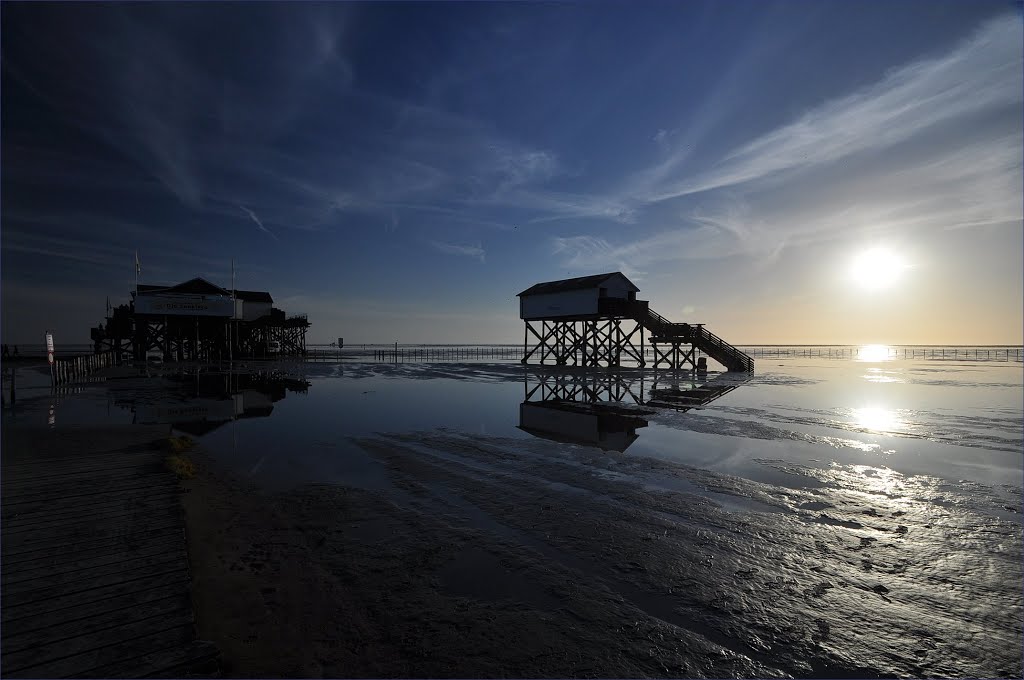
x=87 y=611
x=78 y=441
x=93 y=575
x=96 y=483
x=79 y=664
x=13 y=642
x=83 y=645
x=98 y=596
x=86 y=493
x=20 y=505
x=60 y=567
x=99 y=475
x=38 y=520
x=102 y=546
x=120 y=532
x=79 y=466
x=90 y=527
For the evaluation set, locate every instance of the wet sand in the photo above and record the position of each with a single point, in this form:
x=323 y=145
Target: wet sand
x=488 y=557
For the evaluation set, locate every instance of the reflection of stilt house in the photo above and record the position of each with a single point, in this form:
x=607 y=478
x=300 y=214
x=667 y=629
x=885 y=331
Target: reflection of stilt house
x=214 y=399
x=594 y=408
x=597 y=321
x=575 y=423
x=200 y=321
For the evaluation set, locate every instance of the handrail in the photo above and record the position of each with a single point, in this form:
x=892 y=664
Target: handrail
x=713 y=345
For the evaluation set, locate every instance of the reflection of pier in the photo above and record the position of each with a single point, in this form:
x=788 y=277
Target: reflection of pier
x=599 y=408
x=680 y=390
x=682 y=395
x=583 y=387
x=213 y=399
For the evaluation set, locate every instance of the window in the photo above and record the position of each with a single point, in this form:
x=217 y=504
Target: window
x=602 y=292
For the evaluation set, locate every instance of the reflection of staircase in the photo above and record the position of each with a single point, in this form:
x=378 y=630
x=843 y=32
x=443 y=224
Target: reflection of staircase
x=663 y=330
x=684 y=400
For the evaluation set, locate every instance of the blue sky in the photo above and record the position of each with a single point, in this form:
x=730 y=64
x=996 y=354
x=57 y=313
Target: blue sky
x=401 y=171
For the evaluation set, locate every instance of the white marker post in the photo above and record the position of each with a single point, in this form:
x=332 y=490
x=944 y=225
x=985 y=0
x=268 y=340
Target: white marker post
x=49 y=357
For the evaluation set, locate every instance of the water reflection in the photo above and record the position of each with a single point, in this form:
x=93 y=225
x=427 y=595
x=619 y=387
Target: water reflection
x=572 y=422
x=208 y=400
x=600 y=408
x=877 y=419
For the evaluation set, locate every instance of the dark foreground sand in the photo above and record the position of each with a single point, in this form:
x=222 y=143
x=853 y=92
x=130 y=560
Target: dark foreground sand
x=488 y=558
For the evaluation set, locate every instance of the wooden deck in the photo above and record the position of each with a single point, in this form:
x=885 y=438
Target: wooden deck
x=94 y=577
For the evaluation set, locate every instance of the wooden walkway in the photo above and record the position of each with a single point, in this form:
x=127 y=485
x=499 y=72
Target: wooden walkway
x=94 y=578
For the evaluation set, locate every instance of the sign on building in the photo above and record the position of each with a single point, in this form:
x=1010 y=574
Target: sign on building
x=184 y=306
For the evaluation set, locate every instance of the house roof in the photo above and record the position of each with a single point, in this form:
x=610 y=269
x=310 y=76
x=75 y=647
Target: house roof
x=254 y=296
x=201 y=286
x=579 y=283
x=196 y=286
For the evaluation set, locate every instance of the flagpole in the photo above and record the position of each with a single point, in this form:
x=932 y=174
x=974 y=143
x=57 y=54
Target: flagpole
x=231 y=320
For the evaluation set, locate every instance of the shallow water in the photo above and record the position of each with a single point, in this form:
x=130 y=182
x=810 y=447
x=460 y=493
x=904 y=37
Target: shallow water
x=952 y=421
x=820 y=517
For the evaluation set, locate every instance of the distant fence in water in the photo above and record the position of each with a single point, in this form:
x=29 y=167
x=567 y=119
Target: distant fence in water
x=513 y=351
x=416 y=352
x=883 y=352
x=402 y=352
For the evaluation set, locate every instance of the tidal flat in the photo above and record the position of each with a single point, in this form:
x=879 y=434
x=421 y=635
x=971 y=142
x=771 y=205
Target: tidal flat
x=820 y=518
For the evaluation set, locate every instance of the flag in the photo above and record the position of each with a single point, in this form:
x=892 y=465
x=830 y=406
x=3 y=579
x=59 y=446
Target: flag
x=138 y=267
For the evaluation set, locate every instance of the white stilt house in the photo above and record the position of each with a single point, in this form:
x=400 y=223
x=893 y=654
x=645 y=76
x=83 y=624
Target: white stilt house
x=592 y=320
x=574 y=298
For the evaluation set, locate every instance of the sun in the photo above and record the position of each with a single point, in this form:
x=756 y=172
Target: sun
x=877 y=269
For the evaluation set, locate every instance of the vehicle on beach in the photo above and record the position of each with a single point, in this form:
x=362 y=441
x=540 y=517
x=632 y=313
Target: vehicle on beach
x=154 y=357
x=273 y=347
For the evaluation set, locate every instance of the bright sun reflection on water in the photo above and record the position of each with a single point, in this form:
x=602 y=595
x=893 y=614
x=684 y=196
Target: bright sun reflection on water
x=879 y=375
x=874 y=353
x=877 y=419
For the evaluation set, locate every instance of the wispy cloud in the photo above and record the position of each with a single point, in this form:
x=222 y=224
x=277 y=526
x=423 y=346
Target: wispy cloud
x=887 y=185
x=473 y=251
x=981 y=75
x=974 y=186
x=259 y=224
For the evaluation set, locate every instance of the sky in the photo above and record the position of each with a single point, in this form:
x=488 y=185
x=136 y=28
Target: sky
x=792 y=172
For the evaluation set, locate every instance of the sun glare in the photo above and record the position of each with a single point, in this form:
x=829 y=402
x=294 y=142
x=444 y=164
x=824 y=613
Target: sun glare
x=876 y=419
x=874 y=353
x=877 y=269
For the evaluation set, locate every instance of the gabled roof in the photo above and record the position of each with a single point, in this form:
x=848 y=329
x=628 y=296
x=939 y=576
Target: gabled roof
x=196 y=286
x=579 y=283
x=200 y=286
x=254 y=296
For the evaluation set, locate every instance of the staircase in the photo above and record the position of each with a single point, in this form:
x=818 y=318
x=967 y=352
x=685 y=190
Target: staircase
x=663 y=330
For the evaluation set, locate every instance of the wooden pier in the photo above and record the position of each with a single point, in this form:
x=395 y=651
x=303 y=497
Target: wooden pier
x=95 y=575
